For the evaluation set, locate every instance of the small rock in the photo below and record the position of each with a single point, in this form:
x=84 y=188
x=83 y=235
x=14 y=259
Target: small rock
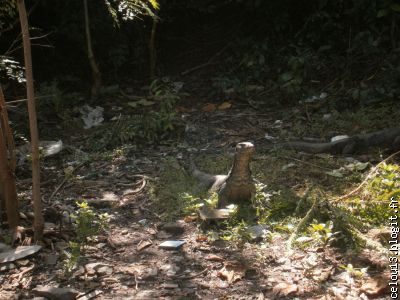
x=98 y=268
x=79 y=272
x=170 y=286
x=49 y=226
x=207 y=214
x=326 y=117
x=257 y=232
x=143 y=222
x=304 y=239
x=101 y=245
x=22 y=262
x=172 y=245
x=150 y=273
x=55 y=293
x=146 y=294
x=162 y=235
x=6 y=267
x=174 y=228
x=170 y=269
x=143 y=244
x=105 y=202
x=18 y=253
x=339 y=138
x=282 y=260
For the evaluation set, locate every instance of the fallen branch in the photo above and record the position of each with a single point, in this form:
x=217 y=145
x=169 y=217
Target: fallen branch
x=369 y=176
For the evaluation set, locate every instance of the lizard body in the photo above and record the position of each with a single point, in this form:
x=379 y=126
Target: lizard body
x=238 y=185
x=387 y=138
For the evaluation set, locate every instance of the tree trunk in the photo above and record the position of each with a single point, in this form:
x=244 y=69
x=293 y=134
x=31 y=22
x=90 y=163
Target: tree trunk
x=8 y=191
x=96 y=84
x=38 y=224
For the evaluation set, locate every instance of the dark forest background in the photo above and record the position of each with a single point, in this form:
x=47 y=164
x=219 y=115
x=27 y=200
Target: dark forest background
x=289 y=50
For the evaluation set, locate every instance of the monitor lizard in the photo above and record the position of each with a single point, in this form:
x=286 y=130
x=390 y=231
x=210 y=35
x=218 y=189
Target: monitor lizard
x=236 y=187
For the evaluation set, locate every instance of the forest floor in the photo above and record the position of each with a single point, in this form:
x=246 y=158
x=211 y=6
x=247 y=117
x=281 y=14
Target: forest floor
x=140 y=190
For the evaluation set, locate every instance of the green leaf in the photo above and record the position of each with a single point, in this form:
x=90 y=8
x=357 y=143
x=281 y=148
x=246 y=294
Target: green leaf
x=286 y=76
x=318 y=227
x=395 y=7
x=382 y=12
x=335 y=173
x=132 y=104
x=145 y=102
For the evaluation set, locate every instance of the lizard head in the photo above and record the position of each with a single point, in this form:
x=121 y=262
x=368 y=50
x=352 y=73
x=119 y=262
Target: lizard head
x=245 y=147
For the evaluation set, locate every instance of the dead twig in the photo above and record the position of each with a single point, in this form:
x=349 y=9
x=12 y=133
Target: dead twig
x=138 y=190
x=131 y=177
x=93 y=293
x=22 y=273
x=182 y=277
x=64 y=181
x=209 y=62
x=369 y=176
x=23 y=100
x=136 y=281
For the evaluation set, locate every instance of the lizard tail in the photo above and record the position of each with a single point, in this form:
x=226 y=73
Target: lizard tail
x=209 y=181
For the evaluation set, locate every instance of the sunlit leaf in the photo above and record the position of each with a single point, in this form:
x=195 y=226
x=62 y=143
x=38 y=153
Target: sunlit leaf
x=155 y=4
x=209 y=107
x=225 y=105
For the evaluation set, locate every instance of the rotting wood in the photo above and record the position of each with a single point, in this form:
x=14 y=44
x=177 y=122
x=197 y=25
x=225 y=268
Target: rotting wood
x=8 y=191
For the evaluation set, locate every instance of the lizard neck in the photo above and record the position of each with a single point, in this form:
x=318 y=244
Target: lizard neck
x=240 y=169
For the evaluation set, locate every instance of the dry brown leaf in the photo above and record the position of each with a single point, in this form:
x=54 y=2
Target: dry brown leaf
x=182 y=109
x=232 y=272
x=190 y=219
x=201 y=238
x=374 y=286
x=213 y=257
x=225 y=105
x=209 y=107
x=143 y=244
x=285 y=289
